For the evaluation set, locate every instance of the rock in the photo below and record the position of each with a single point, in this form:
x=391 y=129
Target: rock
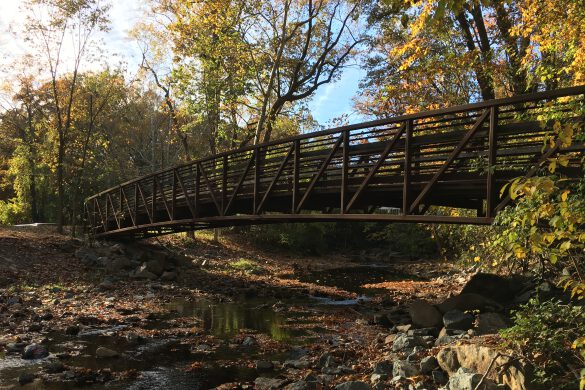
x=264 y=365
x=249 y=341
x=404 y=341
x=35 y=351
x=299 y=364
x=15 y=347
x=403 y=328
x=118 y=264
x=404 y=369
x=456 y=319
x=465 y=379
x=384 y=367
x=375 y=378
x=103 y=352
x=495 y=287
x=467 y=302
x=15 y=300
x=54 y=367
x=35 y=327
x=143 y=273
x=156 y=266
x=107 y=284
x=439 y=377
x=353 y=385
x=262 y=383
x=301 y=385
x=489 y=323
x=72 y=330
x=326 y=360
x=477 y=358
x=447 y=360
x=424 y=315
x=26 y=377
x=428 y=364
x=390 y=339
x=169 y=276
x=382 y=320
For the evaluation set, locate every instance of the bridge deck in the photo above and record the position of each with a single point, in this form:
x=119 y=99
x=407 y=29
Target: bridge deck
x=385 y=170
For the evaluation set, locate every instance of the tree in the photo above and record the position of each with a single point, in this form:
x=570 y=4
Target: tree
x=51 y=23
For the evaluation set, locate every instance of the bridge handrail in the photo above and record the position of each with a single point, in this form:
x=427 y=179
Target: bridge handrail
x=524 y=98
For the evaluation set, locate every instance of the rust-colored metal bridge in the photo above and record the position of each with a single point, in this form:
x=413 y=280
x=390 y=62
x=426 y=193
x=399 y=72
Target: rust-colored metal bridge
x=384 y=170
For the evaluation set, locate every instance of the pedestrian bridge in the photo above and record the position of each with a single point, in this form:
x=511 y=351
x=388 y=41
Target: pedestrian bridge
x=390 y=170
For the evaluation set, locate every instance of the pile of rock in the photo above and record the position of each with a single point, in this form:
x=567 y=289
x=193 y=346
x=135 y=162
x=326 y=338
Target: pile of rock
x=135 y=261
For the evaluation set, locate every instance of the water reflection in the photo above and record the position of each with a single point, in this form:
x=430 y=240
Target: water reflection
x=225 y=320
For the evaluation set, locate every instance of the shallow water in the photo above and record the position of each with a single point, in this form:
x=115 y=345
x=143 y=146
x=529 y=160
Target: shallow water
x=162 y=362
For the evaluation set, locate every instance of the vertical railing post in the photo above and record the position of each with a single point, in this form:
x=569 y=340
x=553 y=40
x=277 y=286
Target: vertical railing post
x=344 y=170
x=407 y=167
x=492 y=155
x=120 y=203
x=256 y=197
x=197 y=189
x=153 y=207
x=106 y=219
x=174 y=199
x=136 y=203
x=224 y=184
x=296 y=165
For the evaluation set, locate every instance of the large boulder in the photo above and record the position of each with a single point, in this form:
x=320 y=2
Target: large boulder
x=156 y=266
x=489 y=323
x=477 y=358
x=456 y=319
x=143 y=273
x=263 y=383
x=424 y=315
x=495 y=287
x=465 y=302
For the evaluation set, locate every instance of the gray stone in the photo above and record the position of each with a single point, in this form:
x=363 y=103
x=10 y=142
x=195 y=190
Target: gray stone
x=444 y=340
x=299 y=364
x=456 y=319
x=169 y=276
x=424 y=315
x=249 y=341
x=118 y=264
x=488 y=323
x=384 y=367
x=428 y=364
x=35 y=351
x=465 y=379
x=465 y=302
x=301 y=385
x=374 y=378
x=143 y=273
x=156 y=266
x=54 y=367
x=404 y=369
x=72 y=330
x=264 y=365
x=262 y=383
x=403 y=341
x=103 y=352
x=26 y=377
x=353 y=385
x=439 y=377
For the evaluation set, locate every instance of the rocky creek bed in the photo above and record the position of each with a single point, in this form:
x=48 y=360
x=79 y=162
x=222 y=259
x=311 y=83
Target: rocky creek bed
x=181 y=315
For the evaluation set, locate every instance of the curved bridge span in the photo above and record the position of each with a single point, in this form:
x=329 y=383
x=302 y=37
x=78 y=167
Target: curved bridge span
x=385 y=170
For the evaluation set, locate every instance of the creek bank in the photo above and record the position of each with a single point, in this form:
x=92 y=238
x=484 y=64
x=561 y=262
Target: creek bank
x=227 y=323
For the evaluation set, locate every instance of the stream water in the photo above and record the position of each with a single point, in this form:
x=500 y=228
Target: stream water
x=161 y=362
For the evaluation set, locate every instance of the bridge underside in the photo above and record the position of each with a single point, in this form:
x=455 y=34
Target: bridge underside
x=389 y=170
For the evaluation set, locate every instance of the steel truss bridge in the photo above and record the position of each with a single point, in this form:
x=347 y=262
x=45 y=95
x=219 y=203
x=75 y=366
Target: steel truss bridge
x=391 y=169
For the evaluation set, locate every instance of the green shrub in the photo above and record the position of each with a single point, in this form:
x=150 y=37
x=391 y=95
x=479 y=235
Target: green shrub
x=544 y=332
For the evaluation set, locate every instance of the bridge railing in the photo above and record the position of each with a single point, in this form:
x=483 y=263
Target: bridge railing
x=457 y=156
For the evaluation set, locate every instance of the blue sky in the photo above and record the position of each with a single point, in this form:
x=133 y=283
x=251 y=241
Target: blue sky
x=330 y=101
